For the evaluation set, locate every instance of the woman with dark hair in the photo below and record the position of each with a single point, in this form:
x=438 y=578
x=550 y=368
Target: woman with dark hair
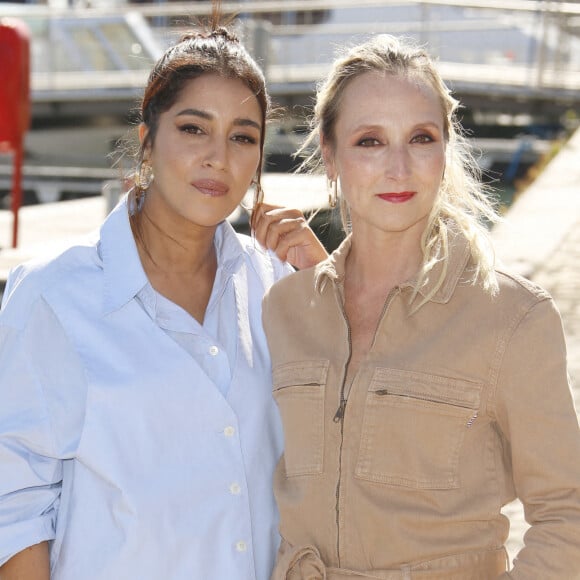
x=137 y=430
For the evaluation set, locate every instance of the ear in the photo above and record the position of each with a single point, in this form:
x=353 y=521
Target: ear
x=143 y=130
x=327 y=151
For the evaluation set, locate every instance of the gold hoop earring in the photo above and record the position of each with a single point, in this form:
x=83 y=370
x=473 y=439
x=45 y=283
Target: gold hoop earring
x=143 y=178
x=332 y=193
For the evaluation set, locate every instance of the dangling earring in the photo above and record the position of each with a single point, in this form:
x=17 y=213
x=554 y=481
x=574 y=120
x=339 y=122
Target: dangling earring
x=332 y=192
x=143 y=178
x=258 y=193
x=258 y=199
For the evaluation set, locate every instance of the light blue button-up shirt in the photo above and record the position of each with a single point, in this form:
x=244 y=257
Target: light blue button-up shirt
x=140 y=443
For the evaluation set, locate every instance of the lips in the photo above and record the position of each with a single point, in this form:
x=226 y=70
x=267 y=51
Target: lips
x=211 y=187
x=397 y=197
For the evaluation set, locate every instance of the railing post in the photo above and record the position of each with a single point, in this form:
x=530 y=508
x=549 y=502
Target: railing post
x=541 y=57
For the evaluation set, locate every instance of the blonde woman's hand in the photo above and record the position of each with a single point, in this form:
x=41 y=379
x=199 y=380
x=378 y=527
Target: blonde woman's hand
x=286 y=232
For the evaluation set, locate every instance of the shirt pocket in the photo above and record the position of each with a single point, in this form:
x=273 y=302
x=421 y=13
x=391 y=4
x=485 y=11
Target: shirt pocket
x=413 y=428
x=299 y=389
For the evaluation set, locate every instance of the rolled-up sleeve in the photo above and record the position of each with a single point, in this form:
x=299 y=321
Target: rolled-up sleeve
x=536 y=416
x=30 y=472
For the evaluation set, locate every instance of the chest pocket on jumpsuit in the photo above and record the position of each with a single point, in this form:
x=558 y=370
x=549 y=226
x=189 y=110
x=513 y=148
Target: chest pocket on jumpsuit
x=413 y=428
x=299 y=389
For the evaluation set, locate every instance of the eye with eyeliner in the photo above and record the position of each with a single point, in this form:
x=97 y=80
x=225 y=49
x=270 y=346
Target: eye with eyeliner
x=245 y=139
x=193 y=129
x=423 y=138
x=190 y=128
x=368 y=142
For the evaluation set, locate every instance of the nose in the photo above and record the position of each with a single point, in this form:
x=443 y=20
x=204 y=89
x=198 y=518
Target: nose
x=397 y=161
x=217 y=154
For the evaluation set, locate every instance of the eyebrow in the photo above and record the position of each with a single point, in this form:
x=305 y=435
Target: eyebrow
x=240 y=122
x=420 y=124
x=430 y=124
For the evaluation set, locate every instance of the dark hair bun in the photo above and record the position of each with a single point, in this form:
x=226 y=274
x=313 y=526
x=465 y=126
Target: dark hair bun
x=219 y=32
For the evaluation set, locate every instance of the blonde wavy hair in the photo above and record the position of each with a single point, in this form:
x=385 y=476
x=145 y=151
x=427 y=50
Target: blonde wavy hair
x=463 y=202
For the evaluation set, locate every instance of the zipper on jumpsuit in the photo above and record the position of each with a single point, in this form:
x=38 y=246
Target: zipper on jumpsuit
x=339 y=415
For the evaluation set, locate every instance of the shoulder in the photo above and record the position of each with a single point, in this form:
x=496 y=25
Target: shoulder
x=294 y=290
x=263 y=263
x=516 y=301
x=302 y=280
x=519 y=290
x=311 y=284
x=52 y=275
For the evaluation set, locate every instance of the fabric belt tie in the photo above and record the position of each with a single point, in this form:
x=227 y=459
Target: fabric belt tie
x=305 y=563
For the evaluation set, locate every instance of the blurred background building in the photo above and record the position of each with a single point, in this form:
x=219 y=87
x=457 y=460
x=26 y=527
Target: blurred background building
x=514 y=64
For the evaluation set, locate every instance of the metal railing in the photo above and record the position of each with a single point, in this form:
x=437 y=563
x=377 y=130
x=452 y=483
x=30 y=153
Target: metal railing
x=200 y=7
x=526 y=46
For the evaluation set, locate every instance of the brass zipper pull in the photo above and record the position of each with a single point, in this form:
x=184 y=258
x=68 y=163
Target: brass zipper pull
x=340 y=412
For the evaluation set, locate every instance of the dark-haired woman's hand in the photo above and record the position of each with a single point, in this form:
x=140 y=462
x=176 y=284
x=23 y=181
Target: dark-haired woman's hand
x=286 y=232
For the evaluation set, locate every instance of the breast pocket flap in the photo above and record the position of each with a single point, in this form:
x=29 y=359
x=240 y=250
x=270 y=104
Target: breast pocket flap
x=436 y=388
x=413 y=428
x=300 y=373
x=299 y=389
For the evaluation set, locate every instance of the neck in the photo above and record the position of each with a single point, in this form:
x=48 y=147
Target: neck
x=174 y=248
x=383 y=263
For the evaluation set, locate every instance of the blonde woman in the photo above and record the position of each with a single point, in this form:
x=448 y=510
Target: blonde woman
x=421 y=387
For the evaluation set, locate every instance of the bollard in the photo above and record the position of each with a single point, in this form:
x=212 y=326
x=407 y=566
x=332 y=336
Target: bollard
x=14 y=102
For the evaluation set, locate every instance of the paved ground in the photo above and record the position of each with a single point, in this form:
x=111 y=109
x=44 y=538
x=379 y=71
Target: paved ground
x=560 y=275
x=540 y=239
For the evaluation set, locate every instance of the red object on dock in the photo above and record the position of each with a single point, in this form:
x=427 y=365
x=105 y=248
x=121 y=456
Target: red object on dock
x=14 y=102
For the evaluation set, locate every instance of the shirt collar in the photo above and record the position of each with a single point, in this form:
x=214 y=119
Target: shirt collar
x=124 y=276
x=333 y=268
x=122 y=270
x=229 y=249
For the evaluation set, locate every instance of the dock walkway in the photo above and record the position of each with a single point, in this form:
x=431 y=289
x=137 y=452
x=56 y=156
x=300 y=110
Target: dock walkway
x=540 y=239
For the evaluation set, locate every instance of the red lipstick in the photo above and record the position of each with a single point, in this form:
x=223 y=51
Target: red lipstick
x=397 y=196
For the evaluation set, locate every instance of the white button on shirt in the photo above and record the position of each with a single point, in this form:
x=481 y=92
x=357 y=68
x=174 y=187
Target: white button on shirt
x=121 y=439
